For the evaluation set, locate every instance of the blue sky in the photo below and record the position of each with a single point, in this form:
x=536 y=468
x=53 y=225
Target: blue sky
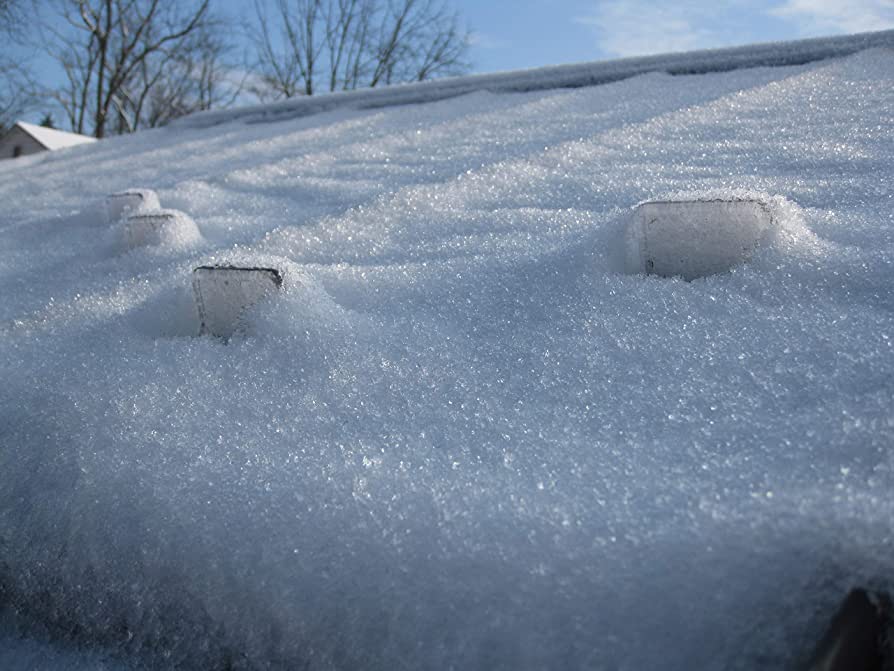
x=514 y=34
x=529 y=33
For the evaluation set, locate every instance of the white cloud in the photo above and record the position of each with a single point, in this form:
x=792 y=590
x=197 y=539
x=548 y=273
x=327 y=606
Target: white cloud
x=846 y=16
x=638 y=27
x=485 y=41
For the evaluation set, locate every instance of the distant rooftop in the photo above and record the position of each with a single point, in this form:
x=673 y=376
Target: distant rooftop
x=51 y=138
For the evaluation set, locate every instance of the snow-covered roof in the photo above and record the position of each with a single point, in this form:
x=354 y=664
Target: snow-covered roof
x=576 y=75
x=457 y=428
x=53 y=139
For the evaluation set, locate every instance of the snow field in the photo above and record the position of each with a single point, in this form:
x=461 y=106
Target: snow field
x=465 y=437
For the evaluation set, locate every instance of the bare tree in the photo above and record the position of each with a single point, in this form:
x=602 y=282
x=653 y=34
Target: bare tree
x=15 y=89
x=132 y=63
x=13 y=14
x=8 y=12
x=345 y=44
x=198 y=77
x=16 y=85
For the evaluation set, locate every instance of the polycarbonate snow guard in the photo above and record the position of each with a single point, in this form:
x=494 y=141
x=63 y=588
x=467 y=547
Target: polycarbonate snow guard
x=119 y=204
x=694 y=238
x=224 y=292
x=152 y=227
x=859 y=637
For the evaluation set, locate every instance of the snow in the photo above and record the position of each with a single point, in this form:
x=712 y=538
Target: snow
x=462 y=434
x=557 y=76
x=24 y=647
x=53 y=139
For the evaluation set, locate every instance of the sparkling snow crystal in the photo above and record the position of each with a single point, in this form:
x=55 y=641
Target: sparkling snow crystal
x=465 y=436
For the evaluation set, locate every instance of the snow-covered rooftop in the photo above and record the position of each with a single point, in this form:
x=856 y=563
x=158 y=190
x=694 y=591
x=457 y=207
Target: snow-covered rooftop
x=463 y=434
x=53 y=139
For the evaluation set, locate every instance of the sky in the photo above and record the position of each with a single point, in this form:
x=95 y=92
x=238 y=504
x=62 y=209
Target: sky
x=509 y=35
x=518 y=34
